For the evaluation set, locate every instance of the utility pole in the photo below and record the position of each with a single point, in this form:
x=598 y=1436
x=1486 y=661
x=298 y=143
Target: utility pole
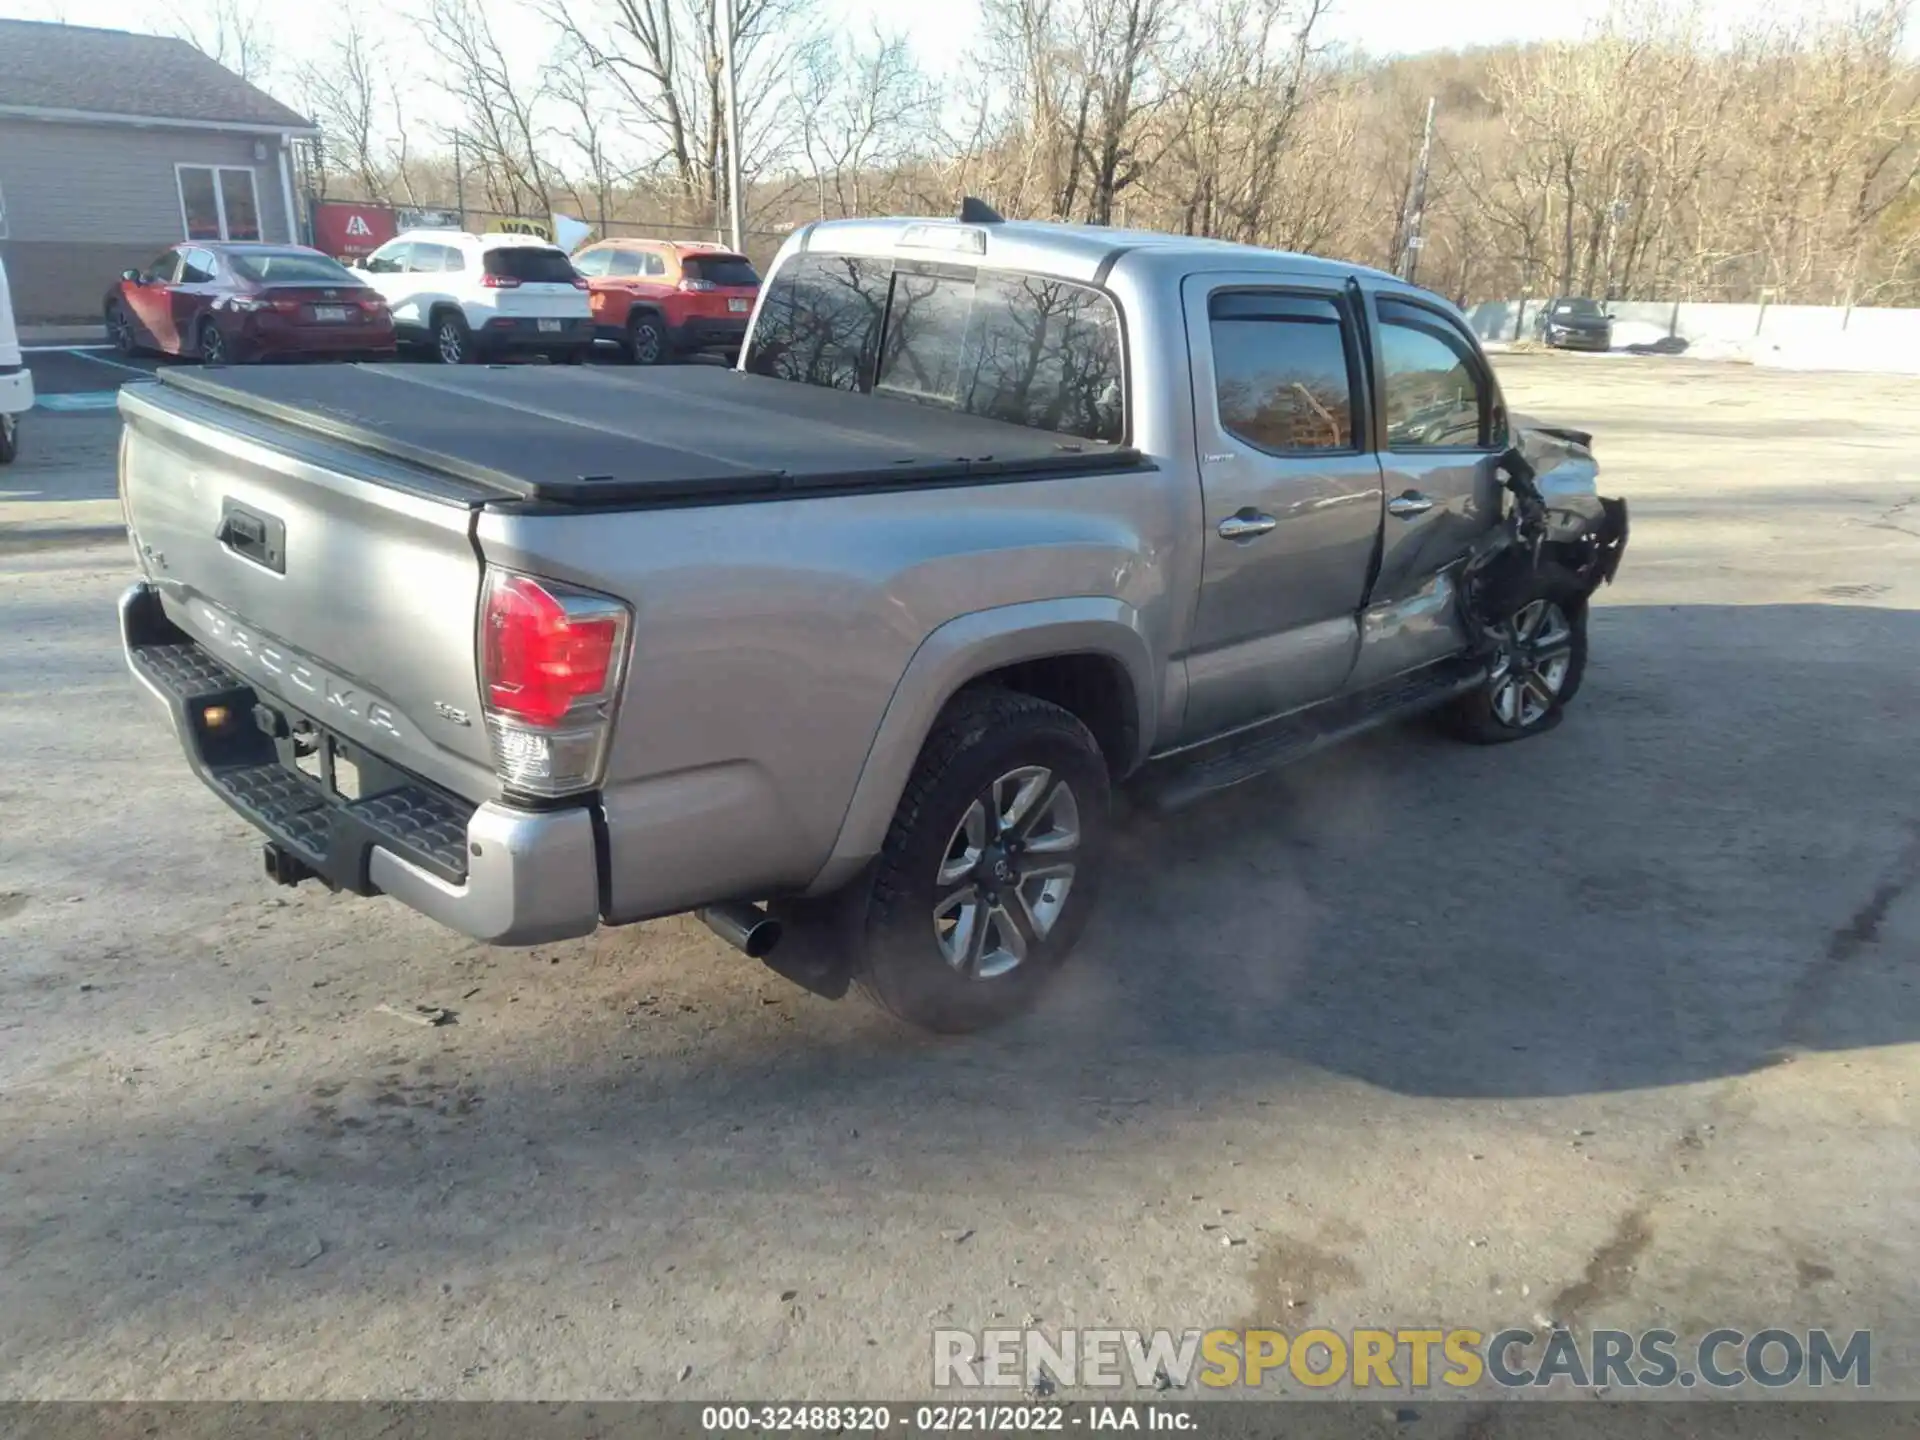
x=1417 y=203
x=736 y=232
x=459 y=182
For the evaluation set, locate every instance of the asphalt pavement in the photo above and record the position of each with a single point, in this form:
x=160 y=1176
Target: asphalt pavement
x=1617 y=1027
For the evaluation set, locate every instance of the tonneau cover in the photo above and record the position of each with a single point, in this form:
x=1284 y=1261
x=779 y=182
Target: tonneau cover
x=590 y=435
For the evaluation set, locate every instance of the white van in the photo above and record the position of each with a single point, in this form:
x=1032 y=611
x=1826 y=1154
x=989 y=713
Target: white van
x=16 y=385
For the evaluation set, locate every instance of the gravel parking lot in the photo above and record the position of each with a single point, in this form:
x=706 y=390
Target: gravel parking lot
x=1613 y=1028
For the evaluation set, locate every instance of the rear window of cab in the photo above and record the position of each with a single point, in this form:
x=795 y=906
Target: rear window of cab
x=1027 y=349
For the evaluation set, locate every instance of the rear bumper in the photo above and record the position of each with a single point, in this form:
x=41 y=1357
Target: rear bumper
x=517 y=332
x=705 y=332
x=16 y=389
x=492 y=871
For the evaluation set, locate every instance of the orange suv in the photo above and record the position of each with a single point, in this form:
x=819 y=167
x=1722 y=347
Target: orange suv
x=661 y=299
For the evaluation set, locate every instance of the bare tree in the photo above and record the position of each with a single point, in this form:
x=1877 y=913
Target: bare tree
x=343 y=92
x=661 y=65
x=233 y=32
x=866 y=110
x=499 y=126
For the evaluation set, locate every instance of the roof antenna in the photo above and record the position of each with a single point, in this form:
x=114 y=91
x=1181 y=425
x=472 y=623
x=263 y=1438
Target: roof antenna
x=978 y=212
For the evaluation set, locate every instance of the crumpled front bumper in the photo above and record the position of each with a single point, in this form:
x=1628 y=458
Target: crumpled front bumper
x=491 y=871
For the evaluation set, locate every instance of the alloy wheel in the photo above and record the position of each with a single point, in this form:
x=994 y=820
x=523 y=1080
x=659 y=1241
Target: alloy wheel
x=1006 y=873
x=450 y=343
x=1535 y=655
x=213 y=345
x=646 y=343
x=120 y=327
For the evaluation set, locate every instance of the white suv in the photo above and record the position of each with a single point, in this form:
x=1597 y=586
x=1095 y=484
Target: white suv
x=475 y=297
x=16 y=383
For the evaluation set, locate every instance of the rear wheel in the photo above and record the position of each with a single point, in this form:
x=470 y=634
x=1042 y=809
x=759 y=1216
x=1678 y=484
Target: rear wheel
x=452 y=340
x=9 y=438
x=647 y=340
x=987 y=875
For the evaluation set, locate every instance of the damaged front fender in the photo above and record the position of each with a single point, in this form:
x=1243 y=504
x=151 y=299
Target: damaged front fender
x=1581 y=529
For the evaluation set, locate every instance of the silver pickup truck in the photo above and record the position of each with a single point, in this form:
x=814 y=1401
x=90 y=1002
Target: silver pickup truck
x=860 y=636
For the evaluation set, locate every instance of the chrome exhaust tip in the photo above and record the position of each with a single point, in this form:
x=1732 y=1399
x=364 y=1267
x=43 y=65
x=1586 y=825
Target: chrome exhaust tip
x=747 y=928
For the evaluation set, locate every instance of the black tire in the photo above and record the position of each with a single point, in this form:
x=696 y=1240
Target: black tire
x=647 y=342
x=1529 y=691
x=210 y=344
x=122 y=332
x=987 y=744
x=9 y=438
x=452 y=339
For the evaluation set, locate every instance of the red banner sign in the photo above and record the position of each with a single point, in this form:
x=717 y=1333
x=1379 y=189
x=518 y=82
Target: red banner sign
x=349 y=231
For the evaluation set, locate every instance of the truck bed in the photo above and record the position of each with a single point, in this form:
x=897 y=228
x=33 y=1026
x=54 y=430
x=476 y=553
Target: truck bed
x=592 y=436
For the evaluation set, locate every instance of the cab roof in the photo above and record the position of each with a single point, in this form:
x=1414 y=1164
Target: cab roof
x=1071 y=251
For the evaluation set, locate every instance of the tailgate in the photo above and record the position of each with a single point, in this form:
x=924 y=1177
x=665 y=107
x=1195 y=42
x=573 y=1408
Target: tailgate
x=344 y=584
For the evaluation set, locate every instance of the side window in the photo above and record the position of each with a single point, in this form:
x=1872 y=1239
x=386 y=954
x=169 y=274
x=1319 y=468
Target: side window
x=820 y=321
x=165 y=267
x=452 y=258
x=197 y=267
x=1283 y=370
x=624 y=263
x=428 y=259
x=1433 y=386
x=592 y=263
x=391 y=258
x=654 y=263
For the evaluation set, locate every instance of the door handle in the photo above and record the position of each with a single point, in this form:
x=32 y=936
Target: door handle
x=1410 y=504
x=1246 y=525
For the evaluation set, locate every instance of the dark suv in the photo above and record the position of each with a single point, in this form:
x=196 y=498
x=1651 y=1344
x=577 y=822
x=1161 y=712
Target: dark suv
x=1574 y=323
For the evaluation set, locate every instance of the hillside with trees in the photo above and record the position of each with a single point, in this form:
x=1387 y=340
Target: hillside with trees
x=1666 y=155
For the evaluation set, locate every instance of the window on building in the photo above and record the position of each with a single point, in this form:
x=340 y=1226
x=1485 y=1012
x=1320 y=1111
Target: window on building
x=1282 y=370
x=218 y=202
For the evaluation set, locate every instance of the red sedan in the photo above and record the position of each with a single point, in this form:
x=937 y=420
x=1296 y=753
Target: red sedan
x=229 y=303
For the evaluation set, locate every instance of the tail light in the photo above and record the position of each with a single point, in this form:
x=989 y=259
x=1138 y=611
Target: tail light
x=499 y=282
x=697 y=287
x=551 y=659
x=580 y=283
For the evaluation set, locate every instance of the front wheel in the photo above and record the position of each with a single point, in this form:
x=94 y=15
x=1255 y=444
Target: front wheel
x=988 y=873
x=121 y=332
x=212 y=344
x=9 y=438
x=1539 y=660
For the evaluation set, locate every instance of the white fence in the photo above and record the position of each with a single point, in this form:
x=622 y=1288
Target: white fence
x=1795 y=336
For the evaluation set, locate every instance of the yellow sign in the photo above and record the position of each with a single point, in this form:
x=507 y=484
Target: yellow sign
x=518 y=226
